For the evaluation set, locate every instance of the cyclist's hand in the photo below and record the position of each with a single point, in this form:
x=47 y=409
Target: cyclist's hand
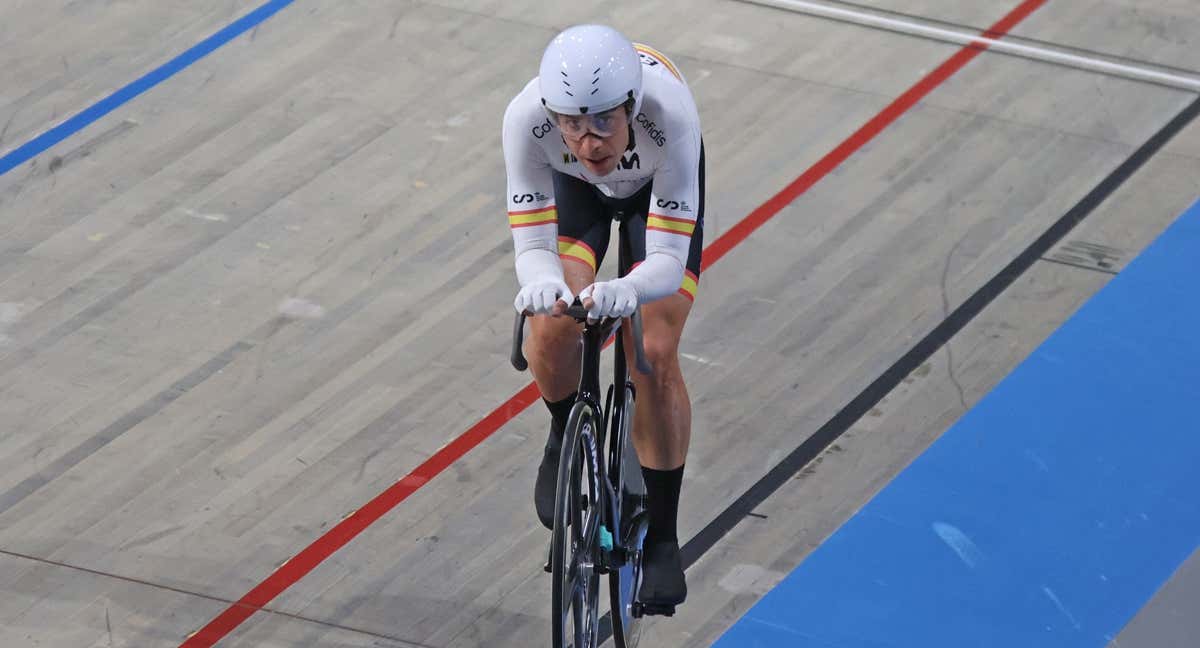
x=614 y=298
x=544 y=297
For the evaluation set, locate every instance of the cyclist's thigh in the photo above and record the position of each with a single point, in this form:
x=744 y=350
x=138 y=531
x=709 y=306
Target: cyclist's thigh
x=663 y=320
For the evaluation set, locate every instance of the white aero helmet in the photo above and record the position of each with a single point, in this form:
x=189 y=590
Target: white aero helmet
x=588 y=69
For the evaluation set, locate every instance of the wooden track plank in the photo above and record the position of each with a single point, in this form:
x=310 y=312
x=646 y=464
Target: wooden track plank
x=49 y=76
x=332 y=172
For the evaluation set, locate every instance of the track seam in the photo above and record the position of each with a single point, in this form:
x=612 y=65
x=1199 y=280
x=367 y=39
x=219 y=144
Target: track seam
x=217 y=599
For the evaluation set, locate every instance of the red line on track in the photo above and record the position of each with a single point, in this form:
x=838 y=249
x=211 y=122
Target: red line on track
x=337 y=537
x=334 y=539
x=738 y=233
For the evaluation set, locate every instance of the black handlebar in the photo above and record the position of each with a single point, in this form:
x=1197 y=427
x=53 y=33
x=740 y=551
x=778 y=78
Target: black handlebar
x=579 y=313
x=518 y=355
x=639 y=351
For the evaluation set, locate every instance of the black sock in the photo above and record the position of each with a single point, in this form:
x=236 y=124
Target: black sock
x=662 y=495
x=559 y=412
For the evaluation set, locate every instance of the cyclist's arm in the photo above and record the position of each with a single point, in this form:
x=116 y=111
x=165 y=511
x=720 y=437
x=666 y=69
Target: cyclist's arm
x=532 y=216
x=674 y=207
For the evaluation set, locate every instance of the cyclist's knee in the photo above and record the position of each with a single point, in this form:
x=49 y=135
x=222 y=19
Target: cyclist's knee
x=662 y=328
x=662 y=352
x=551 y=337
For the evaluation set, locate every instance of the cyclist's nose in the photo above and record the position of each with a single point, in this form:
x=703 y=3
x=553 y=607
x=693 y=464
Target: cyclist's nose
x=591 y=143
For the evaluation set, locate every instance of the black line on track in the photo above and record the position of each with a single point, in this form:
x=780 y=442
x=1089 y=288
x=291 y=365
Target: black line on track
x=929 y=345
x=813 y=446
x=145 y=583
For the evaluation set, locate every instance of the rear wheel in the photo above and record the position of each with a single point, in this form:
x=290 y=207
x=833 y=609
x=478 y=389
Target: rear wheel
x=626 y=473
x=575 y=540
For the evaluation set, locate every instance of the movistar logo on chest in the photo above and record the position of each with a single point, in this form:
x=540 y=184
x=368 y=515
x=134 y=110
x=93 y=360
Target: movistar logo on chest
x=652 y=129
x=628 y=161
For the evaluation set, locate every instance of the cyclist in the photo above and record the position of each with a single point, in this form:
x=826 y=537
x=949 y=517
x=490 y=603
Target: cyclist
x=609 y=131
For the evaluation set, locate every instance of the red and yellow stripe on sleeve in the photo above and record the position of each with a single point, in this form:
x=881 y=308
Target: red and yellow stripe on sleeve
x=576 y=250
x=532 y=217
x=690 y=285
x=660 y=223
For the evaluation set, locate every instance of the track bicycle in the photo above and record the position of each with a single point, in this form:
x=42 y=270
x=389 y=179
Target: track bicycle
x=600 y=516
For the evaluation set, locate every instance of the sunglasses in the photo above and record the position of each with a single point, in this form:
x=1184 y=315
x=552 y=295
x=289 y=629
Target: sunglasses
x=603 y=124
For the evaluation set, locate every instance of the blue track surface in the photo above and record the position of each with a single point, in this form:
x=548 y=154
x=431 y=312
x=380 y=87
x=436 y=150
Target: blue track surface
x=1050 y=513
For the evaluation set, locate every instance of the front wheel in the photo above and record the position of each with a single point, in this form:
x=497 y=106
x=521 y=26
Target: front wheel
x=575 y=540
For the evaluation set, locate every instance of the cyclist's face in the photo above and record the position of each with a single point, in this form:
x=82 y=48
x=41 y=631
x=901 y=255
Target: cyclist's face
x=599 y=140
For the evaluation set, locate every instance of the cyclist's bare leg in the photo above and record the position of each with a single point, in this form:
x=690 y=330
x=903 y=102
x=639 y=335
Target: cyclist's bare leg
x=662 y=422
x=552 y=347
x=662 y=426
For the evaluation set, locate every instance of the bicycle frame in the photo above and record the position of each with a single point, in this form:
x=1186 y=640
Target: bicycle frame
x=603 y=531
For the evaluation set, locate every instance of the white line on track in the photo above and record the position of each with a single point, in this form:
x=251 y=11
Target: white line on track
x=1044 y=54
x=701 y=360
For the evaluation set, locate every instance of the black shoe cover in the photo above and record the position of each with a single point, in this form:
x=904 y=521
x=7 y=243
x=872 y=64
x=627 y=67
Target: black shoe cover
x=663 y=583
x=547 y=481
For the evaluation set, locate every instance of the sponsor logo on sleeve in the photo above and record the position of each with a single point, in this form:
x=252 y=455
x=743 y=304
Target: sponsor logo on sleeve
x=536 y=196
x=674 y=204
x=542 y=129
x=652 y=129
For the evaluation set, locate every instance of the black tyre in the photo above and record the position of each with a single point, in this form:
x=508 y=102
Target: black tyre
x=626 y=473
x=575 y=540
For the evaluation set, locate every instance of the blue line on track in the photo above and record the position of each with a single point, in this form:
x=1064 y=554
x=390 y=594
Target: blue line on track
x=1050 y=513
x=39 y=144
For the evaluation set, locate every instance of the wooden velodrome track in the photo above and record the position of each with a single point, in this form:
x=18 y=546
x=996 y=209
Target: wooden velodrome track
x=242 y=304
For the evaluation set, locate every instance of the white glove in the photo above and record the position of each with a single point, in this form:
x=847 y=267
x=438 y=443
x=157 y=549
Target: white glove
x=616 y=298
x=542 y=284
x=539 y=297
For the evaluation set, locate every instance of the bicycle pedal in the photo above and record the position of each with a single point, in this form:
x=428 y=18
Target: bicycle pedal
x=641 y=609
